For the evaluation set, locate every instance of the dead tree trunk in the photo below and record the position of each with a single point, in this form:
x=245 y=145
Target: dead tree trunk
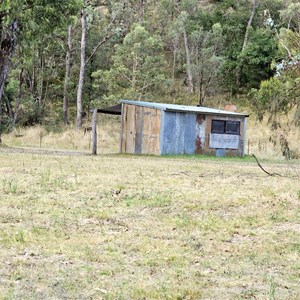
x=82 y=70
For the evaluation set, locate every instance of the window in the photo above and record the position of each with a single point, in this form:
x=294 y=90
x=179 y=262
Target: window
x=232 y=127
x=218 y=126
x=225 y=127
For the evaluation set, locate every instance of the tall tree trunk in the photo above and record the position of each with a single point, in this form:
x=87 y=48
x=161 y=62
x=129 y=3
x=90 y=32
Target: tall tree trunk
x=255 y=4
x=18 y=100
x=175 y=49
x=245 y=42
x=201 y=88
x=94 y=132
x=8 y=107
x=188 y=63
x=41 y=79
x=67 y=75
x=7 y=47
x=4 y=70
x=82 y=70
x=141 y=10
x=32 y=81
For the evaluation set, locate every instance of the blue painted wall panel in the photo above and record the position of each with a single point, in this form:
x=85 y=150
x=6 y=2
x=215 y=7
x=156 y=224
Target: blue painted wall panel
x=179 y=132
x=168 y=133
x=139 y=125
x=190 y=134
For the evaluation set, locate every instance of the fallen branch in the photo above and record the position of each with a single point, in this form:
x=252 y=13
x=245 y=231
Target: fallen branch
x=270 y=174
x=184 y=173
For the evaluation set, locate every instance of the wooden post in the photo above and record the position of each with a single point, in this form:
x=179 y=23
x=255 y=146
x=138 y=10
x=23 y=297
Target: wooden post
x=248 y=146
x=41 y=137
x=94 y=133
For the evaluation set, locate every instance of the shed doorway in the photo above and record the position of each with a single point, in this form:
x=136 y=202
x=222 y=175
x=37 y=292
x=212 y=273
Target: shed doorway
x=108 y=129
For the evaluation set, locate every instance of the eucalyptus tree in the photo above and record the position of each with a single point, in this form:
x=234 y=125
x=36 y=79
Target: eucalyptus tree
x=100 y=23
x=249 y=44
x=83 y=20
x=279 y=96
x=196 y=40
x=207 y=60
x=29 y=30
x=181 y=22
x=8 y=40
x=138 y=65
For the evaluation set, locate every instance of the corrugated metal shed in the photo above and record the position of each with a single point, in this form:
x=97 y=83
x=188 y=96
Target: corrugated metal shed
x=168 y=129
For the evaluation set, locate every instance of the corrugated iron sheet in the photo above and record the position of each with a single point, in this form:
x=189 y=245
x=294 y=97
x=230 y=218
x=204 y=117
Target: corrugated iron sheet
x=140 y=130
x=183 y=108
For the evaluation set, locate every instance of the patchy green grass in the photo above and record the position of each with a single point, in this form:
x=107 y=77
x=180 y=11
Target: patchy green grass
x=143 y=227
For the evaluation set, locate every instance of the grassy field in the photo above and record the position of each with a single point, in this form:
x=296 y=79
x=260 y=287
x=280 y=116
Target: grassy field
x=74 y=226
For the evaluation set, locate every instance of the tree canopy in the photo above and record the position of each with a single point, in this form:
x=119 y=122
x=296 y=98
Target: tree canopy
x=192 y=52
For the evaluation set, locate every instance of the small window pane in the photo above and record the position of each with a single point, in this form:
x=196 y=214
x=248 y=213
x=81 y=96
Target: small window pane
x=232 y=127
x=218 y=126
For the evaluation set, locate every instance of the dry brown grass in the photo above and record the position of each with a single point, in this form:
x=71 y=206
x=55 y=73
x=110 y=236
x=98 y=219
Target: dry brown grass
x=69 y=139
x=258 y=138
x=142 y=227
x=75 y=226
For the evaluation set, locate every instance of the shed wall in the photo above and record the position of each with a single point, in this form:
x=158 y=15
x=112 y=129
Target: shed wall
x=188 y=133
x=180 y=133
x=152 y=131
x=227 y=152
x=140 y=130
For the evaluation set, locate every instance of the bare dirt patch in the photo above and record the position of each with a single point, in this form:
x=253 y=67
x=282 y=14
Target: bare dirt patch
x=41 y=151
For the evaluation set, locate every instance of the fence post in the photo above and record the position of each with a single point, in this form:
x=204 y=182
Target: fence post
x=94 y=132
x=248 y=146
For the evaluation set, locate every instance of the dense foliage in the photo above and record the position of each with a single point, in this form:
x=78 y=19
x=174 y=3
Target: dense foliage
x=189 y=51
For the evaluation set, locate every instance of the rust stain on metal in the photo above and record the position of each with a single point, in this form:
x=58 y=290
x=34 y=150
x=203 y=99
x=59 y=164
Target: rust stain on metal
x=200 y=119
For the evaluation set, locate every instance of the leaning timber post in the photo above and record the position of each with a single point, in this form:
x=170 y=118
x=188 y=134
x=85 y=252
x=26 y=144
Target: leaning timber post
x=94 y=133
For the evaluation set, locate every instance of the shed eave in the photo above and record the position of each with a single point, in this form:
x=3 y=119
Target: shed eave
x=215 y=113
x=184 y=108
x=111 y=110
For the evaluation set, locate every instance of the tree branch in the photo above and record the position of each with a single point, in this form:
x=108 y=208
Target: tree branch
x=270 y=174
x=106 y=38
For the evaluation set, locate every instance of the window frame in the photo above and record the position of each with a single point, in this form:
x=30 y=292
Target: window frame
x=225 y=130
x=237 y=132
x=215 y=129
